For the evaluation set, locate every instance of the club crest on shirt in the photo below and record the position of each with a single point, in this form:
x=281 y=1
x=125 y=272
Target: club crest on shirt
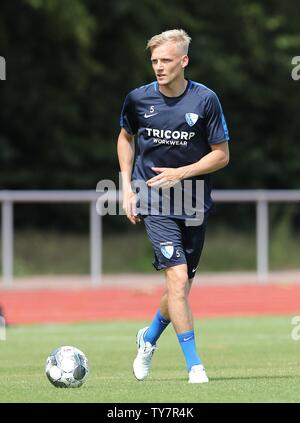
x=191 y=118
x=167 y=249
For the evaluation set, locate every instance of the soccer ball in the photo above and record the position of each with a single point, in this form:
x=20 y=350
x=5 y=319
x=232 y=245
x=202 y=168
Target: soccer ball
x=67 y=367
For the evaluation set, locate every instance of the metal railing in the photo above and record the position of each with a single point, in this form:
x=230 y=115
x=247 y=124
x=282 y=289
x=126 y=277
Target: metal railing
x=262 y=198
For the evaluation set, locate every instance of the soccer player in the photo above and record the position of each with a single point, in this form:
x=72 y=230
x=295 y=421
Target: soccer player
x=182 y=136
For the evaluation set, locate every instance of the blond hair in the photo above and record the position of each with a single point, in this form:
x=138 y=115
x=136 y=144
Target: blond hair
x=178 y=36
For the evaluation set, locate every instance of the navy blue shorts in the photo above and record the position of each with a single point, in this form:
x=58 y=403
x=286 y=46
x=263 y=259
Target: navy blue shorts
x=174 y=242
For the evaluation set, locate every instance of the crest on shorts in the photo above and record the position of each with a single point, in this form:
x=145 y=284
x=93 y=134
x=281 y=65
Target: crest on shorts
x=167 y=249
x=191 y=118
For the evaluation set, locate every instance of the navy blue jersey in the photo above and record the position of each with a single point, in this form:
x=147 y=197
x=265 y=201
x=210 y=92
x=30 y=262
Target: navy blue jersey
x=173 y=131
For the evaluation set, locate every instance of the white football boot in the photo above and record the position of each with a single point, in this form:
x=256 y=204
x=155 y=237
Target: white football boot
x=142 y=362
x=197 y=374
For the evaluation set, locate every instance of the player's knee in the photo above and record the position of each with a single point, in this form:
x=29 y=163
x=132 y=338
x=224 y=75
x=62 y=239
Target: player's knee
x=177 y=283
x=178 y=292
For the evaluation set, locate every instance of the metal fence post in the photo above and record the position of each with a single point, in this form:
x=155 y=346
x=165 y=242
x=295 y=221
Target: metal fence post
x=7 y=242
x=95 y=245
x=262 y=239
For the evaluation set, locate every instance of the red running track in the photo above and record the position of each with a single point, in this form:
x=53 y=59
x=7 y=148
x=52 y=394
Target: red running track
x=46 y=306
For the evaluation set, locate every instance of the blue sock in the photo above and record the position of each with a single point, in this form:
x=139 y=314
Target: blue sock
x=158 y=325
x=187 y=343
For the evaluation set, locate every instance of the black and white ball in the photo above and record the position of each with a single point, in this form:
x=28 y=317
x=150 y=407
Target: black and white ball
x=67 y=367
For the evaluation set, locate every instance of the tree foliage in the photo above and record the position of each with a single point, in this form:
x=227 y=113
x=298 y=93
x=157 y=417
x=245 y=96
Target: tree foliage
x=71 y=63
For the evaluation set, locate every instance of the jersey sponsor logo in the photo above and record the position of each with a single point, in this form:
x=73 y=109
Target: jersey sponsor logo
x=167 y=249
x=168 y=134
x=148 y=116
x=191 y=118
x=169 y=142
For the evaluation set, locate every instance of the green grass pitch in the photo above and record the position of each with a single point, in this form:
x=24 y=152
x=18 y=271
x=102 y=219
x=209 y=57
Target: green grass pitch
x=251 y=359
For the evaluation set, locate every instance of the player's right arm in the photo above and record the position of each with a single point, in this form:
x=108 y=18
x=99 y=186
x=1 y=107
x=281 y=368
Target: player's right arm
x=125 y=149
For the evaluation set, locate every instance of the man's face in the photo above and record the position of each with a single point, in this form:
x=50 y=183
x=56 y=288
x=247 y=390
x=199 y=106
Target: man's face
x=168 y=62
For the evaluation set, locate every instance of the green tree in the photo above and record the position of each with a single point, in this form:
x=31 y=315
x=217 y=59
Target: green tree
x=71 y=63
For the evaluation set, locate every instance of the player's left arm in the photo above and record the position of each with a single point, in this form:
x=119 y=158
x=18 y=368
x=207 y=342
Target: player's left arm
x=211 y=162
x=216 y=159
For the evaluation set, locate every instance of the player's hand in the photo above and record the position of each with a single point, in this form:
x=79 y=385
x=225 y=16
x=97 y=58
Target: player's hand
x=167 y=177
x=129 y=206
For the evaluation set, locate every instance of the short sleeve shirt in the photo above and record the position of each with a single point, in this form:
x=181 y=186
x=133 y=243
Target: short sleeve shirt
x=174 y=131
